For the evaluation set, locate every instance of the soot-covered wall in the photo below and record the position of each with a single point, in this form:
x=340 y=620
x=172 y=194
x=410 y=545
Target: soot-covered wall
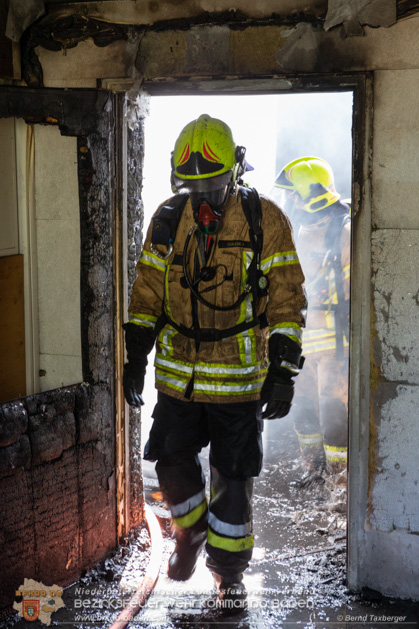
x=57 y=448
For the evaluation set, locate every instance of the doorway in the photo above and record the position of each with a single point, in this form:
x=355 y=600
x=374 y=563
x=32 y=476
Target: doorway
x=275 y=129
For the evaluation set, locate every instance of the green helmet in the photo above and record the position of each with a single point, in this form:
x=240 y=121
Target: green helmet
x=205 y=150
x=312 y=178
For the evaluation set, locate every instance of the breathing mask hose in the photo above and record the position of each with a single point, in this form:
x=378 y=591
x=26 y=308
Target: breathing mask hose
x=196 y=293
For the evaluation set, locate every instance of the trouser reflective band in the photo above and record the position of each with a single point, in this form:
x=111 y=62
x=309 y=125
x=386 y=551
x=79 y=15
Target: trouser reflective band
x=334 y=453
x=183 y=487
x=232 y=545
x=310 y=441
x=230 y=540
x=189 y=519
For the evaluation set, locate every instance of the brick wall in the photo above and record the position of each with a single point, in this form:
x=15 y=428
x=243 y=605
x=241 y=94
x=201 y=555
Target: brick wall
x=57 y=513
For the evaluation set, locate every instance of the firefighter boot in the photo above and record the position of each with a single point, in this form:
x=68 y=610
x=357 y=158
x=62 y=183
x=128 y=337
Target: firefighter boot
x=232 y=595
x=230 y=599
x=189 y=543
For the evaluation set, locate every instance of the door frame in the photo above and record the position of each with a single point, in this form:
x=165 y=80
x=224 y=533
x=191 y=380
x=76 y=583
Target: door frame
x=361 y=85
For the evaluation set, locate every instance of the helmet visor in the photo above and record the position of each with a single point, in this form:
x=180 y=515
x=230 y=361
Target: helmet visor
x=202 y=185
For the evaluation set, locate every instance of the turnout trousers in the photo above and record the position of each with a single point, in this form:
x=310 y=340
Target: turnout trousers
x=320 y=410
x=180 y=430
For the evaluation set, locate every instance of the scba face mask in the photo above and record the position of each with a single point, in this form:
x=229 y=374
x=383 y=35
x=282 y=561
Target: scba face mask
x=208 y=208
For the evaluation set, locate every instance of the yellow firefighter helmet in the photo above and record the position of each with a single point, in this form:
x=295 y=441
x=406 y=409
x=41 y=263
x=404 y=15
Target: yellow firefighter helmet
x=312 y=178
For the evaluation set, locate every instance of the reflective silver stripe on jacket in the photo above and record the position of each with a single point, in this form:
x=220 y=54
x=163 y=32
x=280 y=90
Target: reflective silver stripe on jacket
x=287 y=332
x=174 y=365
x=150 y=259
x=221 y=387
x=226 y=370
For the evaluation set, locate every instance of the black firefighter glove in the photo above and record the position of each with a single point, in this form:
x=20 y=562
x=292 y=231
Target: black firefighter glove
x=139 y=342
x=278 y=389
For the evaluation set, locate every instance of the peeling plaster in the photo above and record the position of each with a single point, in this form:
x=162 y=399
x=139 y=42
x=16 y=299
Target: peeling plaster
x=352 y=14
x=308 y=48
x=394 y=503
x=395 y=293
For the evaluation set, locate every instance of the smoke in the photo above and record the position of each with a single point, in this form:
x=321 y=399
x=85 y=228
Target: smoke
x=318 y=125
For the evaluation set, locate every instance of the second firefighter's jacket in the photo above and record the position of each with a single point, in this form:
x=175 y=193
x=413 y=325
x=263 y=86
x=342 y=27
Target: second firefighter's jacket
x=326 y=266
x=231 y=369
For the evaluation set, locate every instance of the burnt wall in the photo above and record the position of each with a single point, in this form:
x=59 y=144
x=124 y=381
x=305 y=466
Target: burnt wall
x=56 y=486
x=57 y=449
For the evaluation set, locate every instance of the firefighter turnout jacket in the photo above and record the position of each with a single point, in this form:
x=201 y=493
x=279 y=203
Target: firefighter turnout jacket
x=219 y=368
x=327 y=272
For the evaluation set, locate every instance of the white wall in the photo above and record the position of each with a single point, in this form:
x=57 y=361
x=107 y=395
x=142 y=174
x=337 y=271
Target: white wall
x=391 y=543
x=58 y=258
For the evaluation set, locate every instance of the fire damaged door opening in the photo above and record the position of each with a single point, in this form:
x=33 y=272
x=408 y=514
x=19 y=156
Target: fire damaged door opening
x=300 y=148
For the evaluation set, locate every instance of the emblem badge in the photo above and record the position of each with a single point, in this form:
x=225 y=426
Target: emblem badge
x=31 y=609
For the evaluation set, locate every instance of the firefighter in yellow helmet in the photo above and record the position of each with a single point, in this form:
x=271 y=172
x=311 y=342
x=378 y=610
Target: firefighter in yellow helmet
x=218 y=276
x=323 y=231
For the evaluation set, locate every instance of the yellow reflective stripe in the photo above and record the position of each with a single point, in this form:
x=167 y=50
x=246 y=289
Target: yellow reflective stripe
x=148 y=321
x=166 y=291
x=150 y=259
x=227 y=543
x=225 y=388
x=334 y=453
x=289 y=328
x=228 y=370
x=246 y=311
x=322 y=345
x=346 y=271
x=182 y=508
x=165 y=341
x=279 y=259
x=308 y=441
x=192 y=517
x=247 y=347
x=246 y=340
x=315 y=334
x=174 y=365
x=170 y=381
x=312 y=348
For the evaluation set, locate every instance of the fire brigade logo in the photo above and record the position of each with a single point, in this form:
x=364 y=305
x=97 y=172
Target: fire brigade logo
x=39 y=601
x=31 y=609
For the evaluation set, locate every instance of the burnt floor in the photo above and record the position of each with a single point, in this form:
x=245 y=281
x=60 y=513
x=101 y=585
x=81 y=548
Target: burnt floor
x=296 y=579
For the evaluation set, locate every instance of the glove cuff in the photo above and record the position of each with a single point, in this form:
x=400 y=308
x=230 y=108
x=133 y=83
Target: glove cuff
x=283 y=392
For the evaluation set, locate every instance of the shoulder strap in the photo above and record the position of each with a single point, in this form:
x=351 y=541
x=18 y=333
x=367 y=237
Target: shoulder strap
x=252 y=209
x=166 y=222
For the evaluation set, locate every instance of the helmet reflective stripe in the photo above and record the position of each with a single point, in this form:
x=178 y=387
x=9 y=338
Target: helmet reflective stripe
x=205 y=148
x=312 y=178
